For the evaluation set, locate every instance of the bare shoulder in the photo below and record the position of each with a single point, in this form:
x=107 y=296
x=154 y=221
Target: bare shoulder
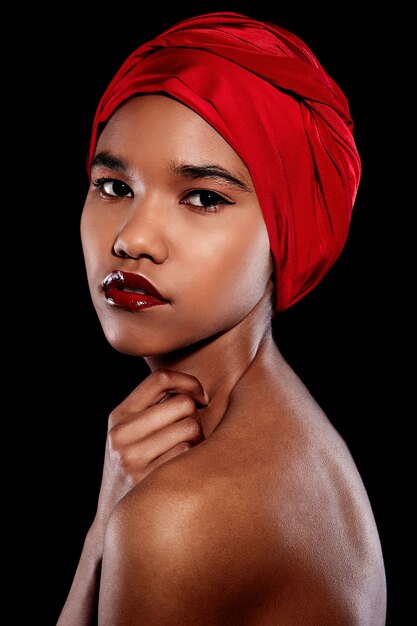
x=178 y=551
x=265 y=522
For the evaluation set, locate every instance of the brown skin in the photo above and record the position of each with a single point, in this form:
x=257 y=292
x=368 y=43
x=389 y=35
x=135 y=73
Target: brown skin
x=227 y=496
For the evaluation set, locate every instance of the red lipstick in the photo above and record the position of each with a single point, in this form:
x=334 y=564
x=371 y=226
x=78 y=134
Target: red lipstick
x=130 y=291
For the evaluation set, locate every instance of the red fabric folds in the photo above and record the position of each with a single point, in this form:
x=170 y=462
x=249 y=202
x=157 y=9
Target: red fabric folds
x=266 y=93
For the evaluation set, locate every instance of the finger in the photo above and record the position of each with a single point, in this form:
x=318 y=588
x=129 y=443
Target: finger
x=177 y=450
x=138 y=475
x=143 y=453
x=135 y=427
x=160 y=383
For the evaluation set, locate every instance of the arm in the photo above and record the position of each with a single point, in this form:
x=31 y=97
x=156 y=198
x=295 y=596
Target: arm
x=81 y=605
x=157 y=422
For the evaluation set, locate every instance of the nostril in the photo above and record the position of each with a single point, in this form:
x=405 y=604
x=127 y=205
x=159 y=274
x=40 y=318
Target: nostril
x=120 y=252
x=135 y=245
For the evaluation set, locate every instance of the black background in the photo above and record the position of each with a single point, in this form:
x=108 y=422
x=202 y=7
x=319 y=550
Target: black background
x=340 y=339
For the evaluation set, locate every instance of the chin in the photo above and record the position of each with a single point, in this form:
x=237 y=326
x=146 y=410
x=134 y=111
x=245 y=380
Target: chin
x=144 y=337
x=135 y=346
x=142 y=345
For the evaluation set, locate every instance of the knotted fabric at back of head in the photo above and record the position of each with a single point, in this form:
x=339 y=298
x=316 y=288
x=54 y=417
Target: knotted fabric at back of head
x=266 y=93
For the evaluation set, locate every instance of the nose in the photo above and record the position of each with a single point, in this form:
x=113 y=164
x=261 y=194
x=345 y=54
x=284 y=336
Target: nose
x=142 y=234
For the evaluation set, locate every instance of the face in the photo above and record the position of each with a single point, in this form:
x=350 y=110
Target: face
x=174 y=240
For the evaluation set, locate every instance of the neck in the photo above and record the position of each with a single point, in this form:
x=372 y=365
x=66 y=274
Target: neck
x=220 y=362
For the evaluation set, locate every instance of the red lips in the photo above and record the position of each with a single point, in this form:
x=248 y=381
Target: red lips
x=131 y=291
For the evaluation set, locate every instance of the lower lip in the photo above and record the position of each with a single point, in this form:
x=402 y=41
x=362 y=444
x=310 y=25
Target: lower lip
x=131 y=301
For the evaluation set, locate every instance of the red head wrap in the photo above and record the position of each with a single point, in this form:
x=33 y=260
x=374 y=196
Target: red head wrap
x=265 y=92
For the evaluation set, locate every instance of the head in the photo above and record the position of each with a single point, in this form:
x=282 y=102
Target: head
x=219 y=99
x=171 y=201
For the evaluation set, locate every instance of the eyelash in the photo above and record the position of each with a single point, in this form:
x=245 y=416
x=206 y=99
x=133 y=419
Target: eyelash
x=218 y=199
x=210 y=208
x=100 y=182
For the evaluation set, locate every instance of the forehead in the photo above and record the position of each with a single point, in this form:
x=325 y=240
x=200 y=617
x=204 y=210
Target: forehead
x=159 y=124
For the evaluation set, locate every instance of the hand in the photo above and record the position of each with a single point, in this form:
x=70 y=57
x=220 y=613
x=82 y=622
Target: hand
x=158 y=421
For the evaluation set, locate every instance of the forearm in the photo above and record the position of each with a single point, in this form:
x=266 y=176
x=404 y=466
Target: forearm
x=80 y=608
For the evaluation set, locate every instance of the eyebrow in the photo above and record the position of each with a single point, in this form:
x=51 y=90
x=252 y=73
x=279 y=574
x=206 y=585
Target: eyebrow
x=208 y=171
x=104 y=159
x=186 y=170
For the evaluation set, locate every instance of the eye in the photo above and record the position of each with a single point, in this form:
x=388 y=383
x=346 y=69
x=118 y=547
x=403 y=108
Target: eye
x=113 y=188
x=205 y=199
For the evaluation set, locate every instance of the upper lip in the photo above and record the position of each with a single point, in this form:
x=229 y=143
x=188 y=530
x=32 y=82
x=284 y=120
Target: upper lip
x=130 y=281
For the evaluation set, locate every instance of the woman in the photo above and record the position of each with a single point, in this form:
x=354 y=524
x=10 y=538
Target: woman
x=223 y=175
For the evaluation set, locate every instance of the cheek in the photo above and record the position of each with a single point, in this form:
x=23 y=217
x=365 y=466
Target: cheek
x=233 y=269
x=97 y=238
x=248 y=267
